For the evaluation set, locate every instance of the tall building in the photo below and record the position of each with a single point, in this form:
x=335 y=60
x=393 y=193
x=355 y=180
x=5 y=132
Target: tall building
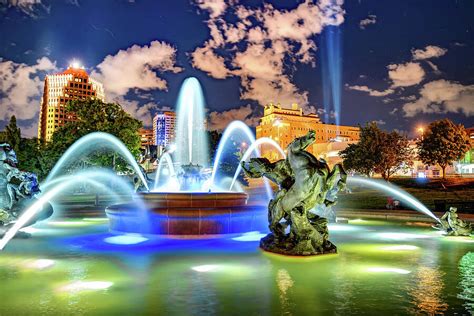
x=72 y=84
x=283 y=125
x=146 y=137
x=164 y=129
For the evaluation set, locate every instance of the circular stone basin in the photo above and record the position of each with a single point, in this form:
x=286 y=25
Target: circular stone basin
x=187 y=214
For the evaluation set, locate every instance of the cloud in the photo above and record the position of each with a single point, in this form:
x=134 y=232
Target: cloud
x=433 y=67
x=379 y=122
x=32 y=8
x=220 y=120
x=404 y=75
x=442 y=96
x=262 y=45
x=430 y=51
x=137 y=67
x=21 y=88
x=215 y=7
x=142 y=112
x=371 y=19
x=205 y=59
x=372 y=92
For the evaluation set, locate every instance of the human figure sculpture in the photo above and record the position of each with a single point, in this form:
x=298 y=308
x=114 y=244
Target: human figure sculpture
x=304 y=182
x=17 y=190
x=453 y=225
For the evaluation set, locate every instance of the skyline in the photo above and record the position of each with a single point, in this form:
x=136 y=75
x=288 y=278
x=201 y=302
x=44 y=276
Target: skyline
x=247 y=55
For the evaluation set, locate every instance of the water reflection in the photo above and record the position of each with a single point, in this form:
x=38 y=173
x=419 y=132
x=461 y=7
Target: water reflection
x=285 y=283
x=466 y=281
x=427 y=294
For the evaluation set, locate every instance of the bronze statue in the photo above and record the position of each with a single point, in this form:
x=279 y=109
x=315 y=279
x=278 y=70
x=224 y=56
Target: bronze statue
x=18 y=189
x=453 y=225
x=304 y=183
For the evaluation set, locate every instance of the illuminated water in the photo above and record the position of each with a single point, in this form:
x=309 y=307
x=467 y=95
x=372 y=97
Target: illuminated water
x=87 y=145
x=192 y=145
x=76 y=267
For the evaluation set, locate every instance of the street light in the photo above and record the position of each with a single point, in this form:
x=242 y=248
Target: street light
x=421 y=130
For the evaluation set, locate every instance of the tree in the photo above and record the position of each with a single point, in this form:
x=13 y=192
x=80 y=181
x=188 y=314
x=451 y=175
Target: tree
x=96 y=116
x=443 y=143
x=378 y=152
x=12 y=134
x=395 y=154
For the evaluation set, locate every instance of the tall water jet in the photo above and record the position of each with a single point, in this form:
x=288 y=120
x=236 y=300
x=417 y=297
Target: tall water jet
x=394 y=190
x=192 y=146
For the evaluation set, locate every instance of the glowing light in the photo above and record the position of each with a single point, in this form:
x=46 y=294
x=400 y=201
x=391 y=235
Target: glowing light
x=251 y=149
x=388 y=269
x=206 y=268
x=79 y=286
x=393 y=190
x=40 y=264
x=399 y=248
x=402 y=236
x=69 y=223
x=166 y=157
x=342 y=228
x=75 y=64
x=98 y=219
x=128 y=239
x=250 y=236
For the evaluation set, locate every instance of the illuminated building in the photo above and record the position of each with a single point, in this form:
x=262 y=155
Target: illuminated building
x=283 y=125
x=72 y=84
x=164 y=129
x=466 y=164
x=146 y=137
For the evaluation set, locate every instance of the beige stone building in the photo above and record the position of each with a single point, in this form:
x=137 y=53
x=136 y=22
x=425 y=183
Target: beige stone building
x=283 y=125
x=72 y=84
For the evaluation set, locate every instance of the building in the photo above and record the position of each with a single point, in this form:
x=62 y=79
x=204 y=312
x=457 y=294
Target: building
x=72 y=84
x=146 y=137
x=164 y=129
x=466 y=165
x=283 y=125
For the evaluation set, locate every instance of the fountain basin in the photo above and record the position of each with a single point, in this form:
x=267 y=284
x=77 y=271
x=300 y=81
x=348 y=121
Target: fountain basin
x=187 y=214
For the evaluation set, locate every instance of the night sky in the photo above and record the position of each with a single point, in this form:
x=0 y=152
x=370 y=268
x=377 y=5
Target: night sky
x=402 y=63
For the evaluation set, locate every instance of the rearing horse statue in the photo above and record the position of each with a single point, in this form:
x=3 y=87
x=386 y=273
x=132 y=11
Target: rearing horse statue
x=305 y=183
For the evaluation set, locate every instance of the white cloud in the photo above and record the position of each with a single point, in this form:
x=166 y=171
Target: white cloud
x=433 y=67
x=21 y=88
x=142 y=112
x=404 y=75
x=32 y=8
x=442 y=96
x=220 y=120
x=261 y=45
x=136 y=67
x=371 y=19
x=205 y=59
x=371 y=92
x=215 y=7
x=430 y=51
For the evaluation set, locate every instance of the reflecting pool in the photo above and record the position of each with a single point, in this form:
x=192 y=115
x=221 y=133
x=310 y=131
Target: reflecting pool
x=76 y=267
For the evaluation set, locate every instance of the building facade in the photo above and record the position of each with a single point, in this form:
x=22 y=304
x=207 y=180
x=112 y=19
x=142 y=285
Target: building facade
x=283 y=125
x=164 y=125
x=146 y=137
x=59 y=89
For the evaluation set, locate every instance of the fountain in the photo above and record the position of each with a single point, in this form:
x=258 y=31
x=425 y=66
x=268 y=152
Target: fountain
x=187 y=197
x=191 y=199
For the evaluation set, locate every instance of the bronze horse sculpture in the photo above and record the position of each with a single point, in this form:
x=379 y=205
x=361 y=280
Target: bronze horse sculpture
x=304 y=182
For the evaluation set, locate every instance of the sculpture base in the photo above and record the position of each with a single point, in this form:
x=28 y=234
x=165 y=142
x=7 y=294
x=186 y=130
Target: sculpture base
x=290 y=248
